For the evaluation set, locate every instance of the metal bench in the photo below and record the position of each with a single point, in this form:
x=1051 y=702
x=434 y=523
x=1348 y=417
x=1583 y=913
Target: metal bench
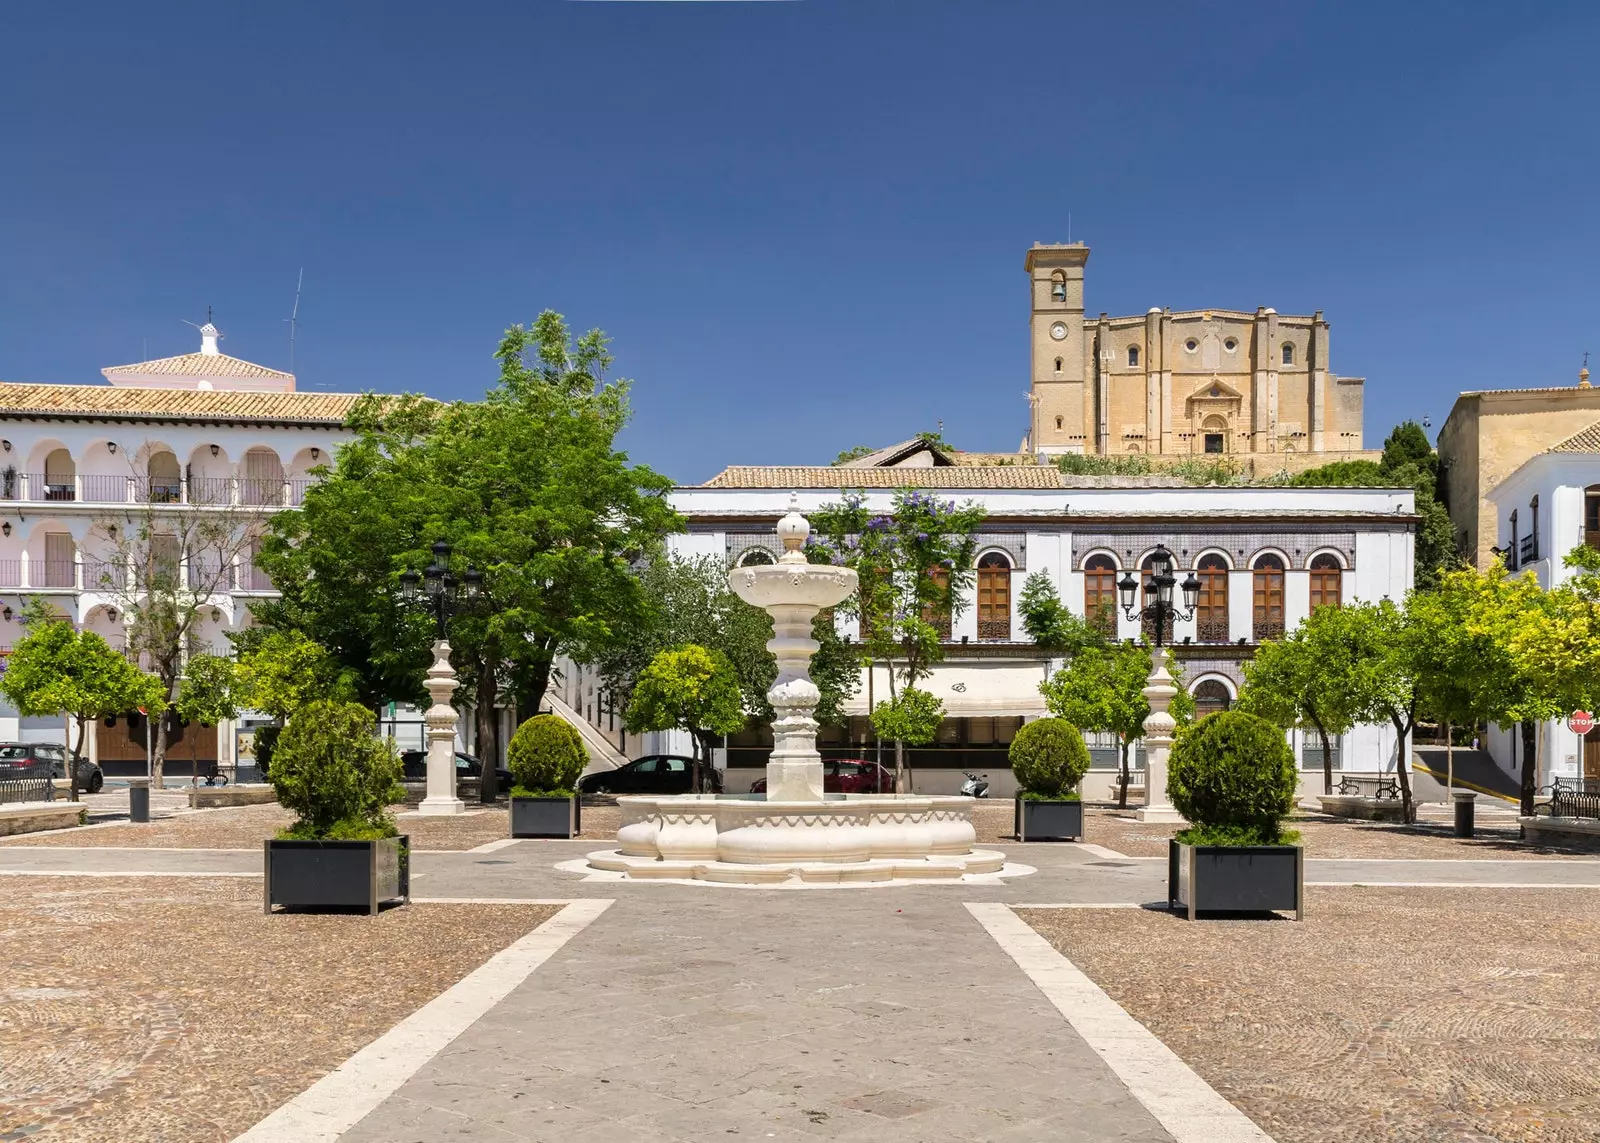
x=1375 y=787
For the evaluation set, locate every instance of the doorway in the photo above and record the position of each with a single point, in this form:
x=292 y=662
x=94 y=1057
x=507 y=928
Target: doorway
x=1591 y=756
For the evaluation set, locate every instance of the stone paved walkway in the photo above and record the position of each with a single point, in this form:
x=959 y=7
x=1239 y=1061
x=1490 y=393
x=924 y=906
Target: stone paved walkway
x=691 y=1015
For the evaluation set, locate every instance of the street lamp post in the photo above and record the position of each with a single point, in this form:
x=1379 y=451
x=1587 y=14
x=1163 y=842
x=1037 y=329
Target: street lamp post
x=438 y=591
x=1159 y=689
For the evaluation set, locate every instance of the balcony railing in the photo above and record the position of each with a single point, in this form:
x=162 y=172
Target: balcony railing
x=996 y=630
x=209 y=575
x=10 y=573
x=1266 y=627
x=100 y=575
x=1212 y=630
x=1527 y=550
x=35 y=487
x=252 y=578
x=53 y=573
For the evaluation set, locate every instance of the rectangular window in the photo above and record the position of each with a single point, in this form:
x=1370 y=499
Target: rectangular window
x=1213 y=442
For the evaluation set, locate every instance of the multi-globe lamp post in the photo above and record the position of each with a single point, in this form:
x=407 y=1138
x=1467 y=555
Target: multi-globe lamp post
x=441 y=594
x=1159 y=689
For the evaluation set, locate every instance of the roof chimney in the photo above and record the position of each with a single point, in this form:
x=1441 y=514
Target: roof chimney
x=209 y=336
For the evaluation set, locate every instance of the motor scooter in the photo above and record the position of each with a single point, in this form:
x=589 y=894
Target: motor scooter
x=976 y=786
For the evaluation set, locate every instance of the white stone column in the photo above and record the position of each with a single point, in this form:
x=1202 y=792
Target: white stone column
x=1158 y=728
x=441 y=721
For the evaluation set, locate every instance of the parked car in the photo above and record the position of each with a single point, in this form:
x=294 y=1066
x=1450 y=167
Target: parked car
x=652 y=774
x=45 y=759
x=847 y=776
x=414 y=765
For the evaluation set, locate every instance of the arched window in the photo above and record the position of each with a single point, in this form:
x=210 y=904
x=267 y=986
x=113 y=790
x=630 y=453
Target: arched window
x=1133 y=357
x=1591 y=516
x=1267 y=621
x=263 y=478
x=1100 y=594
x=60 y=476
x=1060 y=421
x=1211 y=612
x=1210 y=697
x=994 y=597
x=1058 y=365
x=1288 y=353
x=164 y=479
x=755 y=557
x=1326 y=579
x=1058 y=286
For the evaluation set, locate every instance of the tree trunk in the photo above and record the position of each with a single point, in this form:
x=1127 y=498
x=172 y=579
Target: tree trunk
x=1408 y=807
x=488 y=724
x=1327 y=758
x=1122 y=774
x=72 y=762
x=158 y=757
x=1530 y=768
x=900 y=767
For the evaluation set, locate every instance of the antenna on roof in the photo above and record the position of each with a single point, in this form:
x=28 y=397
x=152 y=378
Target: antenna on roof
x=294 y=316
x=1069 y=228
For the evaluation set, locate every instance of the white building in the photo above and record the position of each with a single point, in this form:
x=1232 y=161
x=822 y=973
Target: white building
x=1544 y=509
x=165 y=439
x=1265 y=557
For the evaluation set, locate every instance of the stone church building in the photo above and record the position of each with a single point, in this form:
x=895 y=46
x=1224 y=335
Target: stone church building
x=1179 y=383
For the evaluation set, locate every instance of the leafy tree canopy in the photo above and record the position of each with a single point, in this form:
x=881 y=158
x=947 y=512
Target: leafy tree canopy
x=688 y=688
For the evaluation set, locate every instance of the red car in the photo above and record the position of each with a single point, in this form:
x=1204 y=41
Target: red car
x=847 y=776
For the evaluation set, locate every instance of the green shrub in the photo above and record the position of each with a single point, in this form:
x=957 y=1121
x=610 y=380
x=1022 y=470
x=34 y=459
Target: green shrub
x=332 y=769
x=1048 y=757
x=546 y=756
x=1233 y=776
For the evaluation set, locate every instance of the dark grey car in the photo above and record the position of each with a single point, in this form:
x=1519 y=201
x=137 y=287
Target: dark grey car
x=46 y=759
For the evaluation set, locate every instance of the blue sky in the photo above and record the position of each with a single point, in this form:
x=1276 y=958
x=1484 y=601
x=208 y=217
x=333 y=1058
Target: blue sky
x=802 y=222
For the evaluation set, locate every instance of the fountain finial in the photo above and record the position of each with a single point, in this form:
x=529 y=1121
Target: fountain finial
x=794 y=529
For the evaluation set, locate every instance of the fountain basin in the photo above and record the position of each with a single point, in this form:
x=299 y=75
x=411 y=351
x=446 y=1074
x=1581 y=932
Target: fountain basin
x=844 y=837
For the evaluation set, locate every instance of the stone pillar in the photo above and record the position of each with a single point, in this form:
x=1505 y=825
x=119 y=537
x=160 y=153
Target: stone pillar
x=1158 y=728
x=441 y=721
x=794 y=772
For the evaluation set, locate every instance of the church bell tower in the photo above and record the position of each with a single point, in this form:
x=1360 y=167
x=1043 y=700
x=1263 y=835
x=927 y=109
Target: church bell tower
x=1057 y=396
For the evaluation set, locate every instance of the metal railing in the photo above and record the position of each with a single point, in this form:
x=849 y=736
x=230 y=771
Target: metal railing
x=26 y=790
x=1212 y=630
x=53 y=573
x=1575 y=798
x=998 y=630
x=252 y=578
x=168 y=490
x=54 y=486
x=1528 y=550
x=100 y=575
x=1264 y=628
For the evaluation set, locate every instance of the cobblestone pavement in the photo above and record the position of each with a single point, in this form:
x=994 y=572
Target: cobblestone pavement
x=1326 y=837
x=1421 y=1015
x=139 y=1010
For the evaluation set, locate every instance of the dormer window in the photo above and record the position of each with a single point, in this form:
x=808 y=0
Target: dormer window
x=1133 y=357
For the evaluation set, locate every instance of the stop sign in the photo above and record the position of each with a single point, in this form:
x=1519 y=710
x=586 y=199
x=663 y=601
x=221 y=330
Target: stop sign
x=1580 y=722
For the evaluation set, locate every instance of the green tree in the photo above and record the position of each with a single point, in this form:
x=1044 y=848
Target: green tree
x=1102 y=689
x=914 y=570
x=909 y=718
x=279 y=672
x=208 y=694
x=528 y=486
x=854 y=452
x=1303 y=680
x=56 y=669
x=1050 y=623
x=689 y=688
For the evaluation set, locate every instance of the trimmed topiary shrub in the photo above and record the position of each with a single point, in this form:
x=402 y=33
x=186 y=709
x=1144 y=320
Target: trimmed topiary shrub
x=330 y=766
x=1049 y=759
x=1233 y=775
x=545 y=756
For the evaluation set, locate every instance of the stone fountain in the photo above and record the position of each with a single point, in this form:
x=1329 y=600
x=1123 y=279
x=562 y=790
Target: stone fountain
x=795 y=832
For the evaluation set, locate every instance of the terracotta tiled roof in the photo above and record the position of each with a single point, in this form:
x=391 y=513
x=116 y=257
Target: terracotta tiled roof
x=200 y=365
x=113 y=401
x=1007 y=476
x=1588 y=440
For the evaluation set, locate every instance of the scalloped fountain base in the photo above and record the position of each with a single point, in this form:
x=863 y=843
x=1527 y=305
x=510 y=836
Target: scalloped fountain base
x=846 y=838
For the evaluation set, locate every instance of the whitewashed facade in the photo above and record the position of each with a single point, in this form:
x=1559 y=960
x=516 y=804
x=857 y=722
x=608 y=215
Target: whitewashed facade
x=1355 y=542
x=201 y=432
x=1547 y=507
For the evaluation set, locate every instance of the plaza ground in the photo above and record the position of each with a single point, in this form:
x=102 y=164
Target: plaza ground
x=148 y=998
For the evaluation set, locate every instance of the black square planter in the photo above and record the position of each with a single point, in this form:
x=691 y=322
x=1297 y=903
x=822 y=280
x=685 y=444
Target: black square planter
x=1236 y=878
x=336 y=874
x=1048 y=821
x=544 y=817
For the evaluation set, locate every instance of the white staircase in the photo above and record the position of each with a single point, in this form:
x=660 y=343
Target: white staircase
x=602 y=755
